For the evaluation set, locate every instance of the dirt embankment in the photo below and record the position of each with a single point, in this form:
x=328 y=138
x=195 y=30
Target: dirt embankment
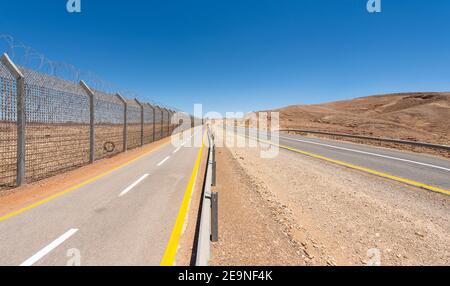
x=408 y=116
x=294 y=209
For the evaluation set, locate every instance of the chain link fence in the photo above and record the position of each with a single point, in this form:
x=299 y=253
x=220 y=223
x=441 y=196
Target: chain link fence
x=165 y=124
x=149 y=120
x=158 y=119
x=8 y=130
x=57 y=125
x=109 y=120
x=134 y=124
x=66 y=124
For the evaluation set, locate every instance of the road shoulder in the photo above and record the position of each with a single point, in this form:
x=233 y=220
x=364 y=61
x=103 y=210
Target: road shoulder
x=250 y=232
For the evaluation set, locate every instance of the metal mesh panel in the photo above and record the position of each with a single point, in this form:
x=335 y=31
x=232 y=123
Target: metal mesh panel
x=172 y=125
x=165 y=123
x=177 y=124
x=134 y=124
x=148 y=124
x=8 y=129
x=158 y=118
x=108 y=125
x=57 y=125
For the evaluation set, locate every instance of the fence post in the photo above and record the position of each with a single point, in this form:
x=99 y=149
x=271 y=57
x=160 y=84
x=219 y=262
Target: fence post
x=214 y=217
x=154 y=127
x=162 y=122
x=165 y=109
x=91 y=121
x=170 y=122
x=157 y=107
x=125 y=121
x=142 y=121
x=21 y=119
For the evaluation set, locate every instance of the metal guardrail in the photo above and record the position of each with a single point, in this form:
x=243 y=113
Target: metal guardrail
x=209 y=214
x=406 y=142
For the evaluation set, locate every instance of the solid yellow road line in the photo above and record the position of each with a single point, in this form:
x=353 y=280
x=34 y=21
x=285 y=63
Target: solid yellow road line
x=14 y=213
x=367 y=170
x=172 y=247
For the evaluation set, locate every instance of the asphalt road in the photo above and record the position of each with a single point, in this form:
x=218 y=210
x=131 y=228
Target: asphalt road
x=123 y=218
x=422 y=168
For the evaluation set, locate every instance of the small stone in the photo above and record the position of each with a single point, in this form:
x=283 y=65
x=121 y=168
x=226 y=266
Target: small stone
x=418 y=233
x=309 y=255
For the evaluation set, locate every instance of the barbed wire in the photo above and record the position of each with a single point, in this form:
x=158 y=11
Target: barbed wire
x=27 y=57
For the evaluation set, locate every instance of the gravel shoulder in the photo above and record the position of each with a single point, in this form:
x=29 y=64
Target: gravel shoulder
x=249 y=233
x=331 y=215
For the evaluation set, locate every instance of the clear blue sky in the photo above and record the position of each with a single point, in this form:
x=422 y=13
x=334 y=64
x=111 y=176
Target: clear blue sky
x=241 y=55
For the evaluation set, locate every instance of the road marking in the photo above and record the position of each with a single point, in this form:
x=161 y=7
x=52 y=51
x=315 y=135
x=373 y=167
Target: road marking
x=176 y=150
x=184 y=142
x=163 y=161
x=368 y=153
x=44 y=251
x=32 y=206
x=172 y=246
x=367 y=170
x=133 y=185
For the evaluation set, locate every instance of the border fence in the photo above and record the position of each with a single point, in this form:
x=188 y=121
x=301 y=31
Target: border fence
x=50 y=125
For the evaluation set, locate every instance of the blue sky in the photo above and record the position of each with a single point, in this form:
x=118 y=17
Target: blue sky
x=242 y=55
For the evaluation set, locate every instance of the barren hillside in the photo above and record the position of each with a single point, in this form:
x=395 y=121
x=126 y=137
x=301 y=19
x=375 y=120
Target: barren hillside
x=411 y=116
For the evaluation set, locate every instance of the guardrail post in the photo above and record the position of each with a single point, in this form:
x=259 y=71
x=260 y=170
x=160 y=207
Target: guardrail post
x=214 y=216
x=91 y=121
x=142 y=121
x=213 y=181
x=125 y=121
x=21 y=119
x=213 y=162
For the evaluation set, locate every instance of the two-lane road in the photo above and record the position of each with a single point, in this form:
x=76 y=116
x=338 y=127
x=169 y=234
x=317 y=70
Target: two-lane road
x=123 y=218
x=427 y=171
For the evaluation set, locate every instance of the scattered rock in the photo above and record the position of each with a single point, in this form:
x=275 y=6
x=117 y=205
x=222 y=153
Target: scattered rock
x=418 y=233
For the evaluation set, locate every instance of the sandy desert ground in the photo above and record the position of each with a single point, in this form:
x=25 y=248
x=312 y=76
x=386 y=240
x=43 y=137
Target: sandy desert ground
x=409 y=116
x=298 y=210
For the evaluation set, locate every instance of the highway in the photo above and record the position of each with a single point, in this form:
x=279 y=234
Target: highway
x=123 y=218
x=427 y=171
